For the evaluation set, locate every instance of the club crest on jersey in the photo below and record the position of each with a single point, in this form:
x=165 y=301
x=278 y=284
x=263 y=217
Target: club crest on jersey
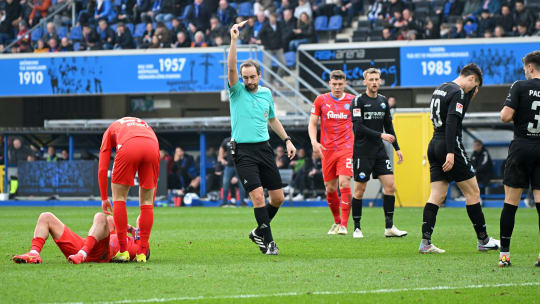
x=362 y=175
x=347 y=106
x=383 y=105
x=356 y=113
x=459 y=108
x=313 y=109
x=331 y=114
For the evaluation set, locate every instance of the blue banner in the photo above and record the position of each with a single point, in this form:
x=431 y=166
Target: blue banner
x=117 y=73
x=427 y=66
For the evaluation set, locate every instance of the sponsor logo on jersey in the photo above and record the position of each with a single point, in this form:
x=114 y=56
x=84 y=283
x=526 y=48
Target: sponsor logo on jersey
x=347 y=106
x=333 y=115
x=383 y=105
x=356 y=113
x=459 y=108
x=373 y=115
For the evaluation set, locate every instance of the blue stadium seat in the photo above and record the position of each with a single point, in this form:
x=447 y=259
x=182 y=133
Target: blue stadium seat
x=321 y=23
x=245 y=9
x=117 y=2
x=61 y=31
x=290 y=59
x=169 y=25
x=335 y=23
x=185 y=12
x=130 y=27
x=76 y=33
x=114 y=26
x=139 y=29
x=76 y=46
x=234 y=5
x=37 y=33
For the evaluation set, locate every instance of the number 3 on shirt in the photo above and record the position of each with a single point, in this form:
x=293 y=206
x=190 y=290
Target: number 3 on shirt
x=536 y=120
x=348 y=163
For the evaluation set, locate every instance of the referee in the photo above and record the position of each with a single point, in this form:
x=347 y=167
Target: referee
x=252 y=109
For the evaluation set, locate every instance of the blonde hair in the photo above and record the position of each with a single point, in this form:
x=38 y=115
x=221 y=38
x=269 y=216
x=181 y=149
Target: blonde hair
x=372 y=71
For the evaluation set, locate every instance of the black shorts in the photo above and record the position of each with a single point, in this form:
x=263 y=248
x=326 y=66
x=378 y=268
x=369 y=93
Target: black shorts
x=256 y=166
x=522 y=166
x=364 y=166
x=462 y=169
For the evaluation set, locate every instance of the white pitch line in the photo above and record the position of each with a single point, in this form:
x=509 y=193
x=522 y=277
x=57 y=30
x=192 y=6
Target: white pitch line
x=293 y=294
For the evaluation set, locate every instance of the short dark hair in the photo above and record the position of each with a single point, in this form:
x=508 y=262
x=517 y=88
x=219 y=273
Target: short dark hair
x=532 y=58
x=473 y=69
x=251 y=63
x=337 y=75
x=478 y=141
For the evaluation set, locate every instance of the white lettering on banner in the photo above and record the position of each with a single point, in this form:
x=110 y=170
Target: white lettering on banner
x=31 y=72
x=333 y=115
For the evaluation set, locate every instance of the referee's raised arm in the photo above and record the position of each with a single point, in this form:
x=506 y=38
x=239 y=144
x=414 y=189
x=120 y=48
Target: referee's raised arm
x=231 y=60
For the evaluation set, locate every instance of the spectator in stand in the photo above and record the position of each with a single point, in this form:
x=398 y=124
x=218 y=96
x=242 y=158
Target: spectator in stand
x=86 y=15
x=64 y=155
x=259 y=22
x=181 y=41
x=492 y=6
x=17 y=152
x=521 y=30
x=225 y=13
x=472 y=7
x=264 y=6
x=523 y=15
x=314 y=175
x=247 y=33
x=304 y=33
x=53 y=45
x=51 y=154
x=445 y=31
x=50 y=32
x=198 y=17
x=506 y=20
x=163 y=35
x=23 y=45
x=284 y=5
x=146 y=38
x=457 y=31
x=183 y=169
x=90 y=39
x=431 y=30
x=482 y=164
x=387 y=34
x=64 y=16
x=40 y=9
x=177 y=26
x=123 y=39
x=374 y=11
x=216 y=30
x=125 y=11
x=499 y=32
x=141 y=8
x=282 y=160
x=450 y=8
x=198 y=40
x=166 y=10
x=41 y=47
x=303 y=7
x=485 y=23
x=270 y=36
x=397 y=21
x=8 y=20
x=226 y=160
x=411 y=35
x=537 y=28
x=349 y=9
x=394 y=6
x=288 y=24
x=412 y=22
x=104 y=9
x=488 y=34
x=301 y=166
x=25 y=9
x=326 y=8
x=106 y=35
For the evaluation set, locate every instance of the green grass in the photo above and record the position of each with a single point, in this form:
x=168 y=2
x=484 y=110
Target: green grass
x=205 y=252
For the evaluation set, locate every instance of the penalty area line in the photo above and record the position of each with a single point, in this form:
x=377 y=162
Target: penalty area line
x=293 y=294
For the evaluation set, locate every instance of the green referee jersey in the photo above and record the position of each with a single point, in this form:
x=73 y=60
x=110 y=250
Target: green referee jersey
x=250 y=113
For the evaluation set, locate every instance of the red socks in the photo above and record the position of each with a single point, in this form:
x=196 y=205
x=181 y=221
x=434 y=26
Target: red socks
x=37 y=244
x=89 y=244
x=345 y=205
x=145 y=225
x=120 y=223
x=333 y=203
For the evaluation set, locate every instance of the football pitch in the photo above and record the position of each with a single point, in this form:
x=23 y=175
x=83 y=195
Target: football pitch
x=203 y=255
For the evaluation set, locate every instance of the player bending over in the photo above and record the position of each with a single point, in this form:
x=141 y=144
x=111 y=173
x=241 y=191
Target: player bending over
x=335 y=148
x=522 y=166
x=371 y=116
x=448 y=160
x=99 y=247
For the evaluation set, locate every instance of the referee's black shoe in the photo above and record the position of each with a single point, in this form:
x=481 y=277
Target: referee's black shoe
x=258 y=240
x=272 y=249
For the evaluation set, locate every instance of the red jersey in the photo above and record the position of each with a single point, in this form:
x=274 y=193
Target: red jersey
x=114 y=246
x=116 y=135
x=336 y=123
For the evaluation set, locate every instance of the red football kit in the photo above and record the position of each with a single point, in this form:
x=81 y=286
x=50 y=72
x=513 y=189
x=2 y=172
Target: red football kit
x=336 y=134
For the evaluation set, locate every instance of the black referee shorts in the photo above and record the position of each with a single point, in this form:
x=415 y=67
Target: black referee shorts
x=256 y=166
x=522 y=166
x=462 y=169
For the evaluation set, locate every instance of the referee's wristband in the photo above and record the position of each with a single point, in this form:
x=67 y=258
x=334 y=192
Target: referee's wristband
x=286 y=138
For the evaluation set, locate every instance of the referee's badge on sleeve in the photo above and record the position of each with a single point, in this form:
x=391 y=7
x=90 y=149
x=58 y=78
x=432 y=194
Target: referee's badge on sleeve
x=357 y=113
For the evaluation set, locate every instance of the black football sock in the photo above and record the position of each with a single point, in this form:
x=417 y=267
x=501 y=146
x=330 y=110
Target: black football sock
x=388 y=207
x=263 y=222
x=428 y=221
x=479 y=223
x=271 y=211
x=538 y=210
x=508 y=216
x=356 y=212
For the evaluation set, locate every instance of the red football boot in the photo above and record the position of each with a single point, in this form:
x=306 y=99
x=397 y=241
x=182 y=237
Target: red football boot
x=76 y=258
x=27 y=258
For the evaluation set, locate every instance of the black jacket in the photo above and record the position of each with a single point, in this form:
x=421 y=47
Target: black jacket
x=125 y=41
x=270 y=38
x=481 y=162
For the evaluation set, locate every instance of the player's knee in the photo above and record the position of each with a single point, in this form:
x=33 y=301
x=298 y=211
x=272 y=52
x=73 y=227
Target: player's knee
x=359 y=192
x=330 y=188
x=45 y=216
x=390 y=189
x=344 y=184
x=100 y=218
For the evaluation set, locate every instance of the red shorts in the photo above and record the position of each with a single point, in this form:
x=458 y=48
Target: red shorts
x=137 y=155
x=70 y=243
x=336 y=163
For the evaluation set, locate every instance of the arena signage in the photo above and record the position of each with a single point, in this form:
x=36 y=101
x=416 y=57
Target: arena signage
x=114 y=72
